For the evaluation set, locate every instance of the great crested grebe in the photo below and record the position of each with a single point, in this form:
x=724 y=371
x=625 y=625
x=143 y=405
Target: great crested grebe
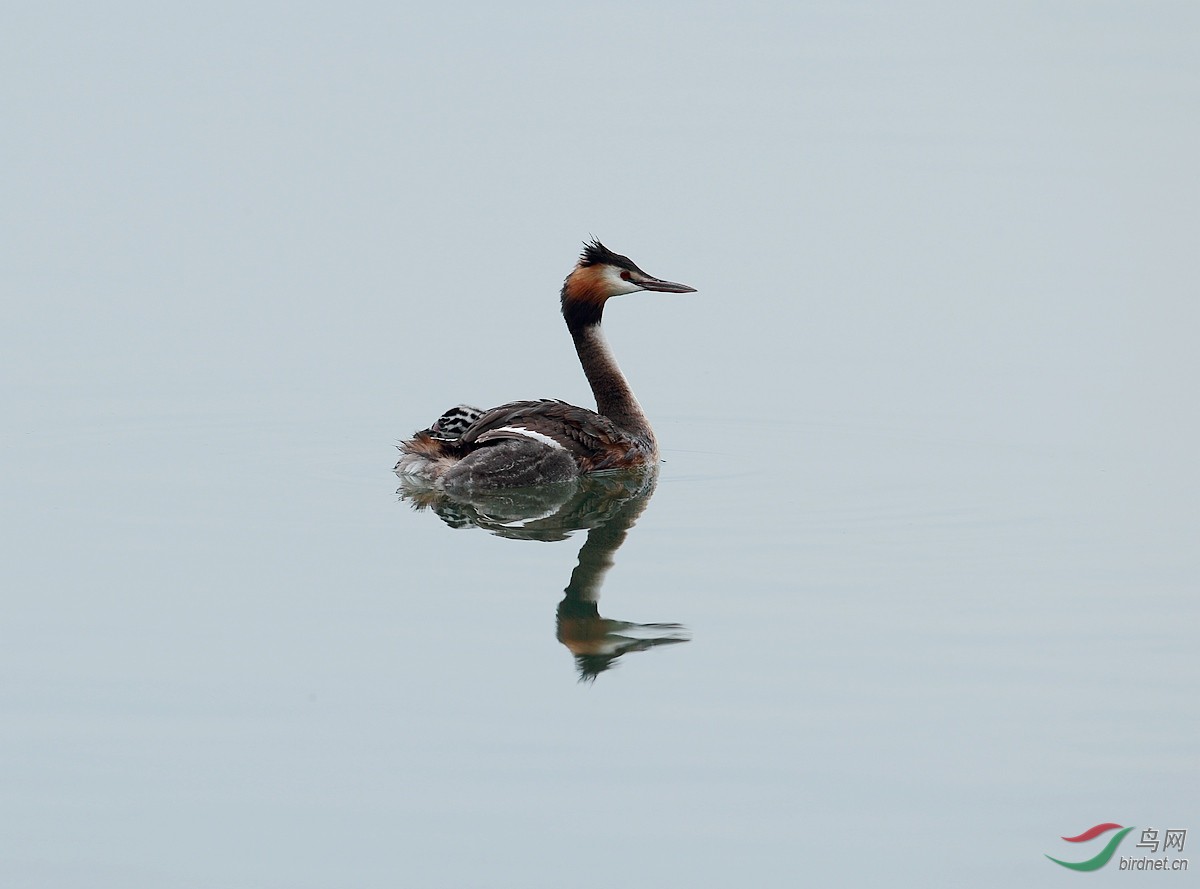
x=527 y=443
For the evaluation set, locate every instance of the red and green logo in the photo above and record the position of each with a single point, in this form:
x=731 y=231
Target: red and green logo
x=1101 y=858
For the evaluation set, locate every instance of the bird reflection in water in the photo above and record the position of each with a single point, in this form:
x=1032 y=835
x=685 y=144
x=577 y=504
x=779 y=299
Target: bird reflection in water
x=606 y=505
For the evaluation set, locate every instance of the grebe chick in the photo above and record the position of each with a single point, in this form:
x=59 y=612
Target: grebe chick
x=526 y=443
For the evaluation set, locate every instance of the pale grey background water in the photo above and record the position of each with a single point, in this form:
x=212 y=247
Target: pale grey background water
x=929 y=506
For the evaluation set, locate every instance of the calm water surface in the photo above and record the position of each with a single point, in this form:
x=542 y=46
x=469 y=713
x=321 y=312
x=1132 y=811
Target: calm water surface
x=228 y=671
x=913 y=595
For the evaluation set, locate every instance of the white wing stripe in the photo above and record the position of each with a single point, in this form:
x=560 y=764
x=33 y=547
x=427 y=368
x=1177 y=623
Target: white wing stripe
x=528 y=433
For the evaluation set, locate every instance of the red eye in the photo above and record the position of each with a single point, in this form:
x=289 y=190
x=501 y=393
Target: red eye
x=625 y=276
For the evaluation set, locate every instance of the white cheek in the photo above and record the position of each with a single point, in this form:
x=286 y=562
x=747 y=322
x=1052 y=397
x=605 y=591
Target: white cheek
x=615 y=284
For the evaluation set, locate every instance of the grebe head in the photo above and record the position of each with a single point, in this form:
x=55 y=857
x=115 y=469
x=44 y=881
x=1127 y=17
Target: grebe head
x=601 y=274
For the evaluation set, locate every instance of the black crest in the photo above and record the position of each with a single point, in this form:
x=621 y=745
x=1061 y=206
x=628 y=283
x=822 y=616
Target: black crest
x=595 y=253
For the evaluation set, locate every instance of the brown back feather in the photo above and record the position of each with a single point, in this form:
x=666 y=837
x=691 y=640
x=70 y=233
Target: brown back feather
x=595 y=441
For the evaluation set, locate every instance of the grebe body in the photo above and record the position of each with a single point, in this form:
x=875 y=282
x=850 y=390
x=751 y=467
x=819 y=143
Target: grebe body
x=527 y=443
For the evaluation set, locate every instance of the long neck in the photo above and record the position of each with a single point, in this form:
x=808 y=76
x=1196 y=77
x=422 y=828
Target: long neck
x=614 y=398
